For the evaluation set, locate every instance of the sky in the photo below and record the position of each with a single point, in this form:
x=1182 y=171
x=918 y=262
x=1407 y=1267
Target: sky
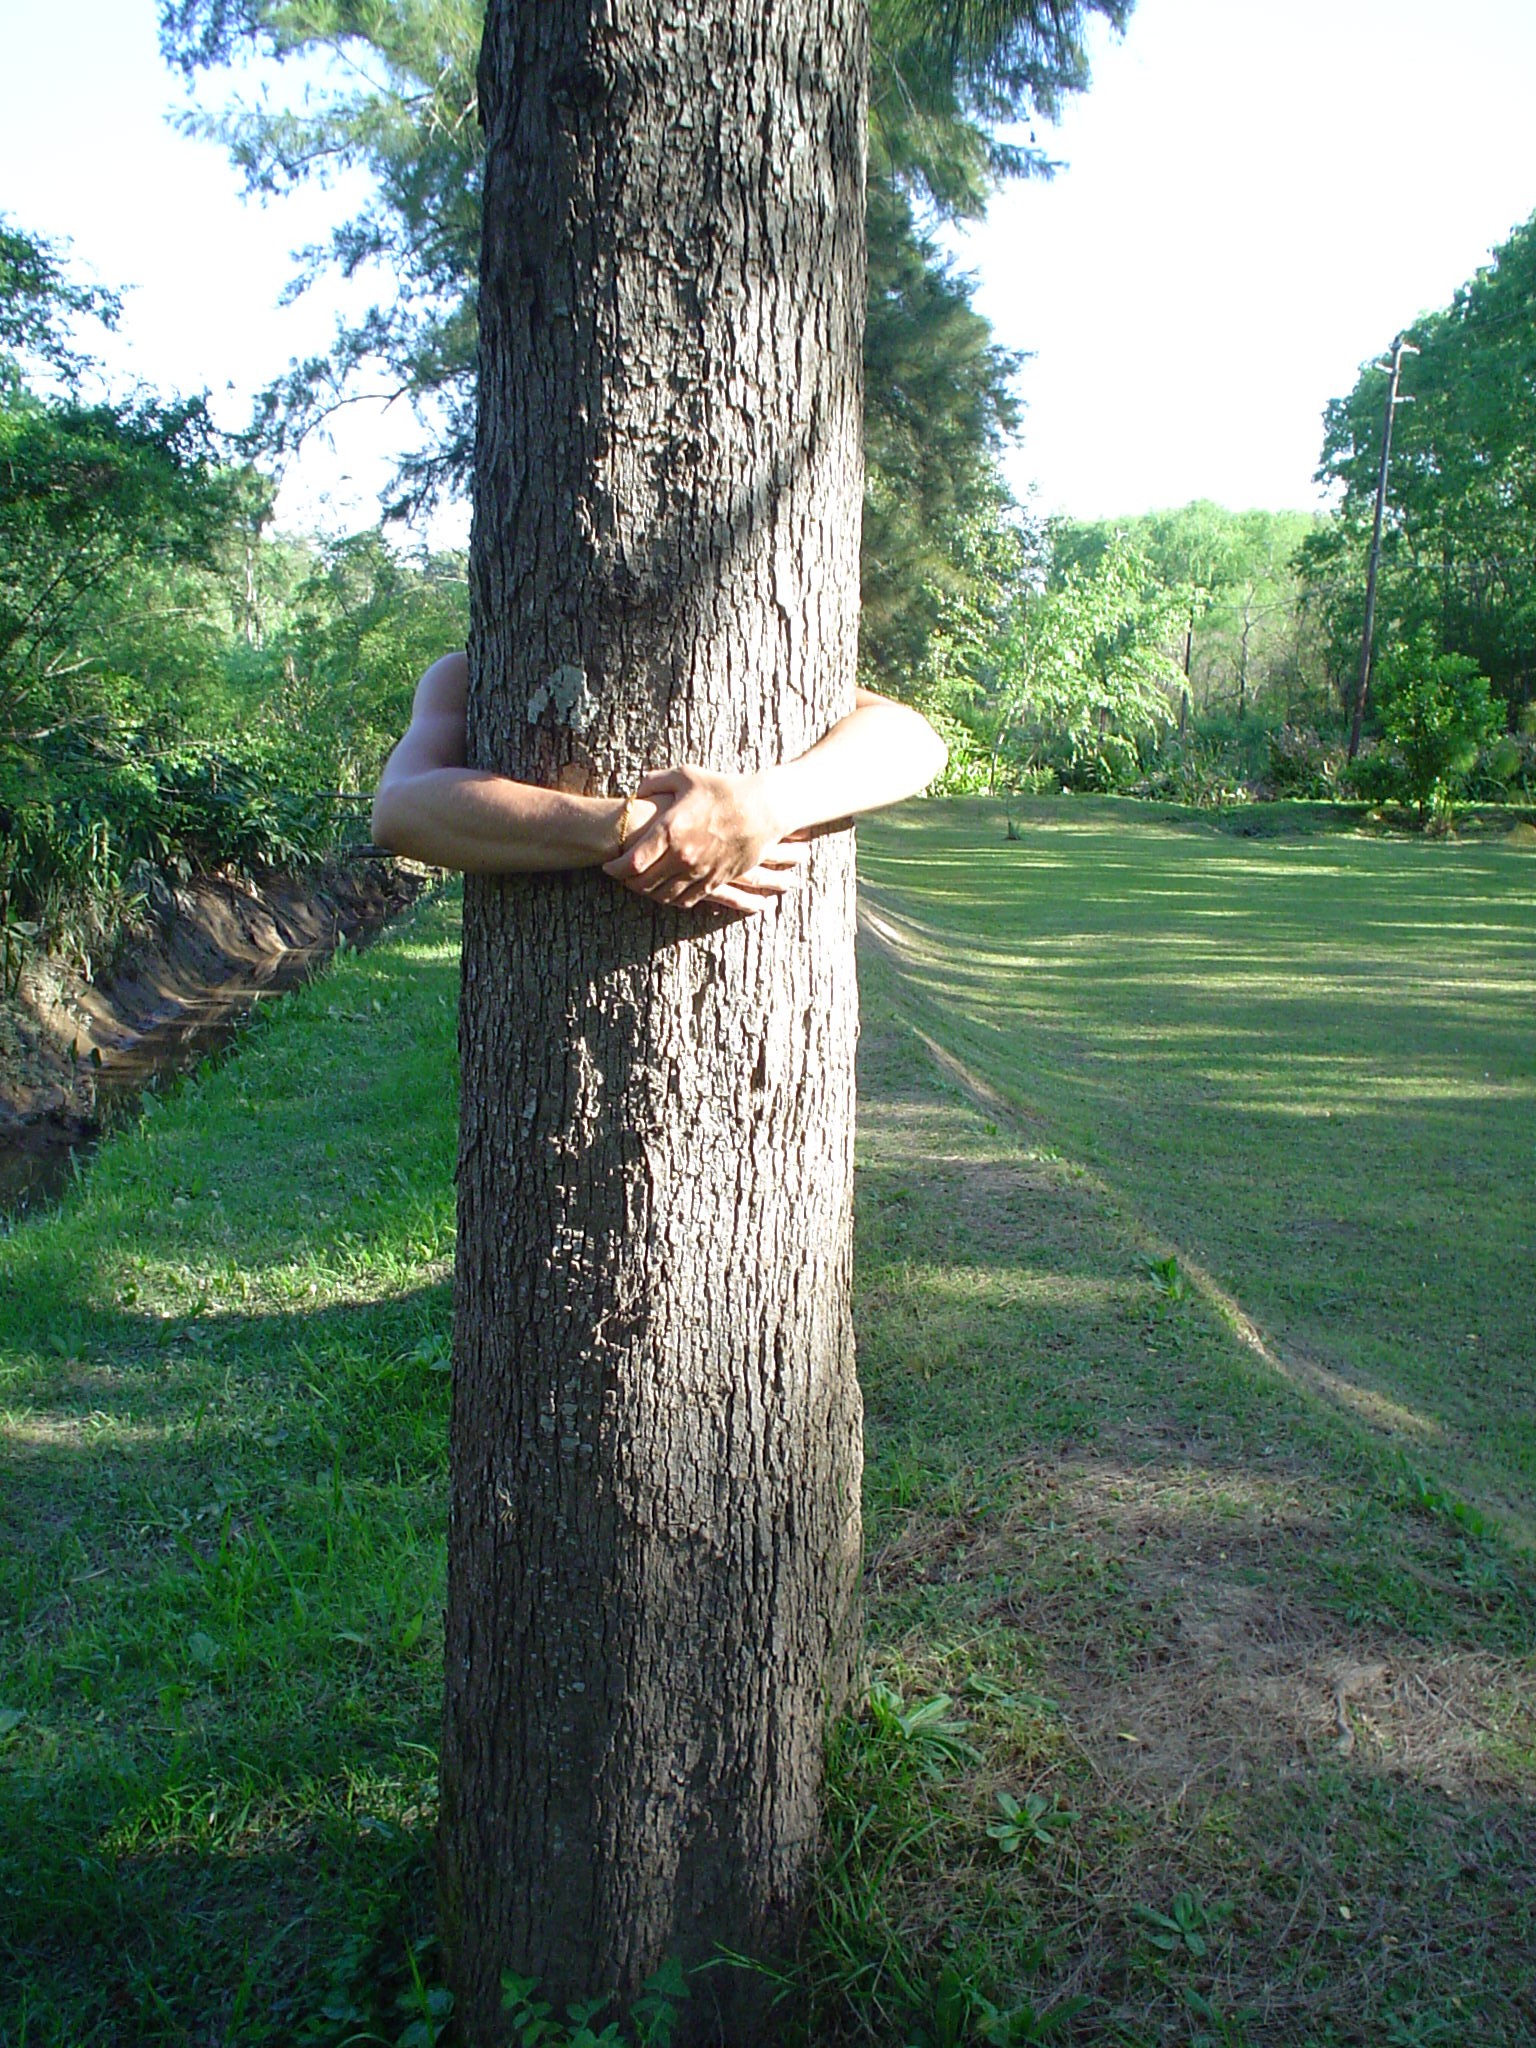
x=1253 y=199
x=1257 y=197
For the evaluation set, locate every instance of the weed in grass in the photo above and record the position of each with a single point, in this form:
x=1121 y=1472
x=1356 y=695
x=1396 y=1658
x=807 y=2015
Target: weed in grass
x=1032 y=1822
x=1168 y=1281
x=925 y=1734
x=1185 y=1929
x=959 y=2016
x=651 y=2021
x=1214 y=2028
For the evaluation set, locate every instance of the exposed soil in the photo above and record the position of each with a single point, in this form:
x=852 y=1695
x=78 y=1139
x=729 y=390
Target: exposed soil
x=79 y=1042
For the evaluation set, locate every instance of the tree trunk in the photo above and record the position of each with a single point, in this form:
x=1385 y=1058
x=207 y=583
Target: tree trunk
x=654 y=1534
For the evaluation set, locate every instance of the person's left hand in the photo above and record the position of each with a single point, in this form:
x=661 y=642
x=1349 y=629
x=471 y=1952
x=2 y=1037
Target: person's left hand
x=711 y=834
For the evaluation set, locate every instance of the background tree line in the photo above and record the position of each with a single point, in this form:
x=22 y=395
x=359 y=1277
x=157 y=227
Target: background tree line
x=179 y=685
x=1200 y=653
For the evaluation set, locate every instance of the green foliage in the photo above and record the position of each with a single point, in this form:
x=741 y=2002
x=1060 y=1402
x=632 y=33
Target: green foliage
x=1237 y=624
x=947 y=75
x=1198 y=771
x=366 y=621
x=1184 y=1930
x=84 y=492
x=1083 y=670
x=928 y=1734
x=395 y=98
x=959 y=2016
x=937 y=554
x=110 y=799
x=39 y=301
x=1437 y=710
x=1301 y=763
x=651 y=2022
x=1033 y=1822
x=1459 y=543
x=174 y=688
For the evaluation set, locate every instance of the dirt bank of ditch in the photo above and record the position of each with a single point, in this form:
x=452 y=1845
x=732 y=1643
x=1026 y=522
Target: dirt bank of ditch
x=77 y=1041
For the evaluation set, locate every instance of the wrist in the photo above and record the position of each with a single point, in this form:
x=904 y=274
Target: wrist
x=624 y=818
x=772 y=800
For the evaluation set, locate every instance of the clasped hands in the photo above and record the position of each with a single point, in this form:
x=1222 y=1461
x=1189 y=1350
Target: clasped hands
x=709 y=839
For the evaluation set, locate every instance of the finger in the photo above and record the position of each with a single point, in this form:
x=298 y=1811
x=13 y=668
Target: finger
x=662 y=782
x=784 y=853
x=768 y=881
x=661 y=888
x=646 y=851
x=728 y=896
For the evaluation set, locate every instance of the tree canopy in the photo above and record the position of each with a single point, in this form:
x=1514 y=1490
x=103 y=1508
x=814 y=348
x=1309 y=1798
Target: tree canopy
x=952 y=83
x=1459 y=541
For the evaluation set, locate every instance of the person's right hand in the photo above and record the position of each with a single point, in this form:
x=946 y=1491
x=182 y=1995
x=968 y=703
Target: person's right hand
x=780 y=872
x=710 y=831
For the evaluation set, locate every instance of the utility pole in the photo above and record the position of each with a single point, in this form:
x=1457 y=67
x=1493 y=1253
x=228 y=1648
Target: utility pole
x=1400 y=348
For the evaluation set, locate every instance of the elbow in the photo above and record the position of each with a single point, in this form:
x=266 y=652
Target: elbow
x=385 y=822
x=932 y=754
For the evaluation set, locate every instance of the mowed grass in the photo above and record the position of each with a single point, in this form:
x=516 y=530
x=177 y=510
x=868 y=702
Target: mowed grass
x=1237 y=1654
x=1196 y=1328
x=1304 y=1067
x=223 y=1397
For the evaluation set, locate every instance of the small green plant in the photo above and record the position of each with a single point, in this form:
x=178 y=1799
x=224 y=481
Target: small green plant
x=959 y=2015
x=1184 y=1928
x=1167 y=1279
x=651 y=2021
x=931 y=1734
x=1214 y=2028
x=1033 y=1822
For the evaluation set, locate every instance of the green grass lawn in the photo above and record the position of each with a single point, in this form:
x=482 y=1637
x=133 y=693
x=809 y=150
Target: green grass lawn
x=1196 y=1315
x=1195 y=1227
x=1305 y=1068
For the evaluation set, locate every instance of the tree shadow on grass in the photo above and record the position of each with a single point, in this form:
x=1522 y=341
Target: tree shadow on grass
x=1206 y=1609
x=223 y=1538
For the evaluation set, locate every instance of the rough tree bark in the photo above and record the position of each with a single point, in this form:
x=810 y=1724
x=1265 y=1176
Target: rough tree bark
x=655 y=1439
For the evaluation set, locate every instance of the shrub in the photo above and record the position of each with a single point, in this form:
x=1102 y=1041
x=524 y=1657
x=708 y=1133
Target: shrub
x=1107 y=762
x=1375 y=776
x=1301 y=764
x=1437 y=711
x=1504 y=768
x=82 y=807
x=1196 y=775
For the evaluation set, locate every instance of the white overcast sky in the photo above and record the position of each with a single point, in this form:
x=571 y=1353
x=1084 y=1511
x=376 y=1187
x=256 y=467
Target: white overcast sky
x=1254 y=198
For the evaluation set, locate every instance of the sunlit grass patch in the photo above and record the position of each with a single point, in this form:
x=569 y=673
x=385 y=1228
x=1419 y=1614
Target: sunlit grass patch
x=224 y=1387
x=1156 y=1452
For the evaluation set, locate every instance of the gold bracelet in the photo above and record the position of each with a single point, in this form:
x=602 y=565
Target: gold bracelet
x=627 y=826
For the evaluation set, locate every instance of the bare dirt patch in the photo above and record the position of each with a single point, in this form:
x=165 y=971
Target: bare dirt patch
x=1187 y=1664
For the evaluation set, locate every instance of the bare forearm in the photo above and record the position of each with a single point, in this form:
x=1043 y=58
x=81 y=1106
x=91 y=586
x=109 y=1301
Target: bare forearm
x=486 y=824
x=877 y=755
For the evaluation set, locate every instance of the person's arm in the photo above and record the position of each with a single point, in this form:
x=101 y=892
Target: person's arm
x=431 y=807
x=716 y=826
